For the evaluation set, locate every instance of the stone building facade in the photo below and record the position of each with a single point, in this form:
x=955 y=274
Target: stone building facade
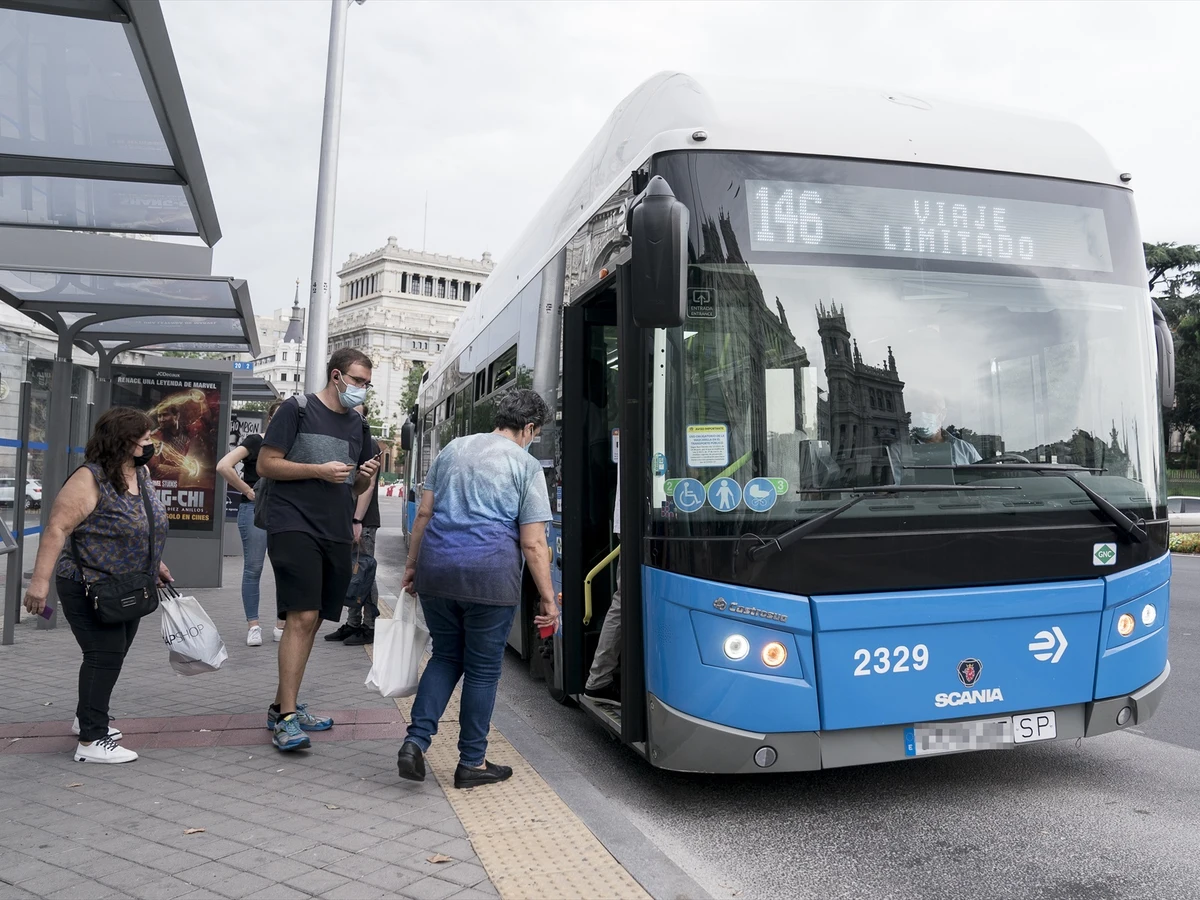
x=399 y=306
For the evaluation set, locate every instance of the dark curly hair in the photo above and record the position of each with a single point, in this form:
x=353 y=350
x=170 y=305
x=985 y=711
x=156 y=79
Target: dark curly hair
x=108 y=447
x=516 y=409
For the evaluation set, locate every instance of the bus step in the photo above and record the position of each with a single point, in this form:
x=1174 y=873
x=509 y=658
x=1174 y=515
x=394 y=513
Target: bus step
x=606 y=713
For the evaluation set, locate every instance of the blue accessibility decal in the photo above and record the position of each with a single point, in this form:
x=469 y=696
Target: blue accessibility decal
x=760 y=494
x=688 y=495
x=725 y=494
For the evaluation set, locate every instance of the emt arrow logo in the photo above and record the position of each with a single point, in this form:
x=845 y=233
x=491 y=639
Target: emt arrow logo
x=1047 y=646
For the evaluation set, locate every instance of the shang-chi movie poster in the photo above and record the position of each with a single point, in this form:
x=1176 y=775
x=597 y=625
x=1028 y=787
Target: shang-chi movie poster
x=186 y=408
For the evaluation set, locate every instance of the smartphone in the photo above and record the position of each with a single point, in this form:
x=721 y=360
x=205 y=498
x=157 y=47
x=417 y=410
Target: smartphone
x=47 y=612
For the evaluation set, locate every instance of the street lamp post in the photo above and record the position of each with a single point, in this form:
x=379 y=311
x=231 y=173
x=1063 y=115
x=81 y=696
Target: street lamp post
x=322 y=264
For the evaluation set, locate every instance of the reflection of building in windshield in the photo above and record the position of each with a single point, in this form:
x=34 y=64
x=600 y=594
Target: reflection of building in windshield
x=863 y=411
x=746 y=369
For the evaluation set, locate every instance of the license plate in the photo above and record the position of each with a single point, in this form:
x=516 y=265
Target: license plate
x=1034 y=727
x=953 y=737
x=980 y=734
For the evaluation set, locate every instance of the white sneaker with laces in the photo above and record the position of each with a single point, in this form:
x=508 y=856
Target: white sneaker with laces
x=254 y=636
x=105 y=750
x=278 y=634
x=114 y=733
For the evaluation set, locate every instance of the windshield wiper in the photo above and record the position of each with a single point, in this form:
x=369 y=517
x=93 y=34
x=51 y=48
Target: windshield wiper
x=801 y=531
x=1066 y=470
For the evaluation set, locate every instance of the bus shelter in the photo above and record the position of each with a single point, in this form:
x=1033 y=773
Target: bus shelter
x=106 y=217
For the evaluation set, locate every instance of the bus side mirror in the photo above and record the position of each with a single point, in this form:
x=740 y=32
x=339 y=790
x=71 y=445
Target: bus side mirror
x=406 y=436
x=1165 y=344
x=658 y=225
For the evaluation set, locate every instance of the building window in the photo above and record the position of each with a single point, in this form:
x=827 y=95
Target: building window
x=428 y=285
x=404 y=282
x=454 y=289
x=439 y=347
x=466 y=291
x=415 y=283
x=441 y=288
x=285 y=356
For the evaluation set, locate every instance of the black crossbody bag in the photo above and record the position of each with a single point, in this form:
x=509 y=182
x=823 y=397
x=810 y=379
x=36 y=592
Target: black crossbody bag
x=123 y=598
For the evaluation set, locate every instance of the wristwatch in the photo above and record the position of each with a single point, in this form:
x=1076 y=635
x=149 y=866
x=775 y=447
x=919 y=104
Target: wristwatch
x=356 y=521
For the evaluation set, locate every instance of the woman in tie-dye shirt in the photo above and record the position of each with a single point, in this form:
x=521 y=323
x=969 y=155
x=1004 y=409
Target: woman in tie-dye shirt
x=484 y=508
x=103 y=508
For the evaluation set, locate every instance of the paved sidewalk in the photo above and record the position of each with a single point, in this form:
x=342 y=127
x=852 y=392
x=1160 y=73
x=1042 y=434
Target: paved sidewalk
x=333 y=822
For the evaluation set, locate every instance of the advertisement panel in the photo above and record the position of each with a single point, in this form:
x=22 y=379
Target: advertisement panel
x=186 y=407
x=242 y=423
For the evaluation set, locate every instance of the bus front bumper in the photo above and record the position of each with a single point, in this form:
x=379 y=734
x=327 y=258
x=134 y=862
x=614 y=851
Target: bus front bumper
x=684 y=743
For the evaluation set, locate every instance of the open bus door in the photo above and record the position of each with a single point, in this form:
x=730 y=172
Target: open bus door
x=597 y=415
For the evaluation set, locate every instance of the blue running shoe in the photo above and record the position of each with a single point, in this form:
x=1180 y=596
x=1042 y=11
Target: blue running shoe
x=289 y=735
x=308 y=721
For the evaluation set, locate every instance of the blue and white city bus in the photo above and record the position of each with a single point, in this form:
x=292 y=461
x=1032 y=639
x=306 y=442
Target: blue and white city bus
x=879 y=383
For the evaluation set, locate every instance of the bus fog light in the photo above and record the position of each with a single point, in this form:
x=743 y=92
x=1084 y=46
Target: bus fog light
x=1124 y=715
x=764 y=757
x=1149 y=614
x=736 y=647
x=1125 y=625
x=774 y=655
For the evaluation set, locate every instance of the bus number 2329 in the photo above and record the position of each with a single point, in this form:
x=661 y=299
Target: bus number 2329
x=900 y=659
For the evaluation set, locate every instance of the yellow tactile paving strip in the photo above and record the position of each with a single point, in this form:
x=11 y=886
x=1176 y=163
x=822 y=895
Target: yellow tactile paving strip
x=528 y=840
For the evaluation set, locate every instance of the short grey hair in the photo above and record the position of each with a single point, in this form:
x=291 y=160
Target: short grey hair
x=516 y=409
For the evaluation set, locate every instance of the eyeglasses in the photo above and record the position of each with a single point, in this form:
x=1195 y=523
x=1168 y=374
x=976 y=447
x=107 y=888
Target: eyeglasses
x=357 y=382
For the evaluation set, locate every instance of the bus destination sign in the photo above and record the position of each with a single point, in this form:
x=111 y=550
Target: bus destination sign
x=800 y=217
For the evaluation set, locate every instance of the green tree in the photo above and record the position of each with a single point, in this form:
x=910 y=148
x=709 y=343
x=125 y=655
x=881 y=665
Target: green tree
x=1174 y=279
x=411 y=385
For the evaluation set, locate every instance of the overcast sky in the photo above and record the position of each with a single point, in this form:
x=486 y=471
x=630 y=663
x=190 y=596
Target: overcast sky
x=484 y=105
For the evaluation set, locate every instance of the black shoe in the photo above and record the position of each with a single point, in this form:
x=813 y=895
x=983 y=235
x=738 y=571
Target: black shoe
x=343 y=632
x=466 y=777
x=410 y=762
x=362 y=636
x=609 y=694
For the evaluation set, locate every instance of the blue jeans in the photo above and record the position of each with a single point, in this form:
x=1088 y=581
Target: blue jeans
x=468 y=643
x=254 y=551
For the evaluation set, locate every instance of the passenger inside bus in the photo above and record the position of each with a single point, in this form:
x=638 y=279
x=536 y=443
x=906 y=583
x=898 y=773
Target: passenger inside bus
x=601 y=684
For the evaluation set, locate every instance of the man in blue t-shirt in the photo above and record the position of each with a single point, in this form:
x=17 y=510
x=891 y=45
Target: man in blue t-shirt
x=319 y=462
x=484 y=507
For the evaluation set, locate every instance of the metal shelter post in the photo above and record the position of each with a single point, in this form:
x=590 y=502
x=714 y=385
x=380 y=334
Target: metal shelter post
x=15 y=574
x=322 y=263
x=58 y=422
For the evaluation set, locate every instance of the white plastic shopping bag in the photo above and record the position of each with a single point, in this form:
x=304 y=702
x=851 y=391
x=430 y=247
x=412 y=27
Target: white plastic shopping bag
x=400 y=643
x=191 y=637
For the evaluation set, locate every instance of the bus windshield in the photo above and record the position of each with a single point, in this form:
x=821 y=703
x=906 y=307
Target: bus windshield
x=835 y=344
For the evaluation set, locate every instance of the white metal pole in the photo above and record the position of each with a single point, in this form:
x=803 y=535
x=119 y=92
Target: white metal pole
x=322 y=263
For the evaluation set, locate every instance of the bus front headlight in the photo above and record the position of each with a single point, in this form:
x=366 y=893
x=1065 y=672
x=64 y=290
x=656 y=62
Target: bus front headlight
x=1125 y=625
x=774 y=655
x=736 y=647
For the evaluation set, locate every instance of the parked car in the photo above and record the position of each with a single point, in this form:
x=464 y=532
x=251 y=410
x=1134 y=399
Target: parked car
x=33 y=492
x=1183 y=514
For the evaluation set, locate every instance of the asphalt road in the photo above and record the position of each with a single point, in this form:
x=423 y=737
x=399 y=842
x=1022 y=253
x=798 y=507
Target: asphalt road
x=1112 y=817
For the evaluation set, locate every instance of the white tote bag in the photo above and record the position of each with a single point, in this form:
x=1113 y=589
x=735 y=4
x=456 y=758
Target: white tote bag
x=191 y=637
x=400 y=643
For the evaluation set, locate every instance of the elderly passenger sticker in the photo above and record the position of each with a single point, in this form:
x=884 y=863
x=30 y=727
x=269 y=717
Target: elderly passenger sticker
x=707 y=446
x=1104 y=555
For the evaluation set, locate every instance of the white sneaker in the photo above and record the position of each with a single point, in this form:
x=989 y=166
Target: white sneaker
x=114 y=733
x=105 y=750
x=254 y=636
x=278 y=634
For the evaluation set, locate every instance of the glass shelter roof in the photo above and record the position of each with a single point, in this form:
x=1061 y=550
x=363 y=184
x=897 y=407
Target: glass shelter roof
x=95 y=131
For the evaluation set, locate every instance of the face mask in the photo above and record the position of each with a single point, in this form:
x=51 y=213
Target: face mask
x=930 y=423
x=147 y=453
x=352 y=396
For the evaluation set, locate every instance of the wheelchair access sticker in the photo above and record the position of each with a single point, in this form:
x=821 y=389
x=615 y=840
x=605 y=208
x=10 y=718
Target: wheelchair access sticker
x=688 y=495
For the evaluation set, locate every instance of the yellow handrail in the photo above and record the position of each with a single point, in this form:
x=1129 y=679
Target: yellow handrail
x=587 y=584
